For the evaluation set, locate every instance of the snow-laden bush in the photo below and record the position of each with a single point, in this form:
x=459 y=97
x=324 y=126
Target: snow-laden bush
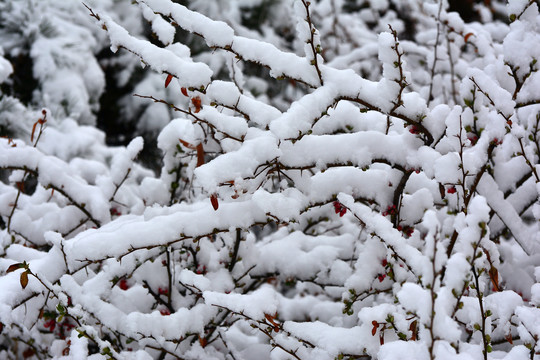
x=384 y=205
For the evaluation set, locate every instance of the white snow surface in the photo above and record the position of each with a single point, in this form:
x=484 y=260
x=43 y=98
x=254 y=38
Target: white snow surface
x=314 y=209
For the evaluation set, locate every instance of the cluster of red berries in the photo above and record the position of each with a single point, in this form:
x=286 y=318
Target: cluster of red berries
x=473 y=139
x=115 y=212
x=50 y=324
x=407 y=230
x=63 y=328
x=165 y=312
x=381 y=277
x=339 y=208
x=201 y=270
x=163 y=291
x=391 y=210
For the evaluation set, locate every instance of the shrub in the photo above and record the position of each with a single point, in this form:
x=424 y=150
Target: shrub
x=382 y=202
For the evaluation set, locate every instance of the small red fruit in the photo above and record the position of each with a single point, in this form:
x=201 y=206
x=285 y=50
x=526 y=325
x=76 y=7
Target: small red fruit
x=409 y=231
x=122 y=284
x=473 y=139
x=339 y=208
x=413 y=129
x=162 y=291
x=50 y=324
x=201 y=270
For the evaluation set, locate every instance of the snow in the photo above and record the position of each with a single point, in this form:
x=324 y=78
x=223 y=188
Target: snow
x=501 y=98
x=416 y=204
x=258 y=148
x=5 y=68
x=160 y=59
x=400 y=349
x=332 y=339
x=415 y=299
x=457 y=266
x=301 y=255
x=230 y=125
x=516 y=6
x=216 y=33
x=290 y=213
x=179 y=129
x=507 y=214
x=281 y=63
x=382 y=228
x=164 y=31
x=255 y=305
x=446 y=168
x=502 y=305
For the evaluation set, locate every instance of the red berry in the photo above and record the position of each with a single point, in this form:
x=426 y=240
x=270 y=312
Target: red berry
x=496 y=141
x=115 y=212
x=391 y=210
x=162 y=291
x=51 y=324
x=339 y=208
x=123 y=284
x=451 y=190
x=165 y=312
